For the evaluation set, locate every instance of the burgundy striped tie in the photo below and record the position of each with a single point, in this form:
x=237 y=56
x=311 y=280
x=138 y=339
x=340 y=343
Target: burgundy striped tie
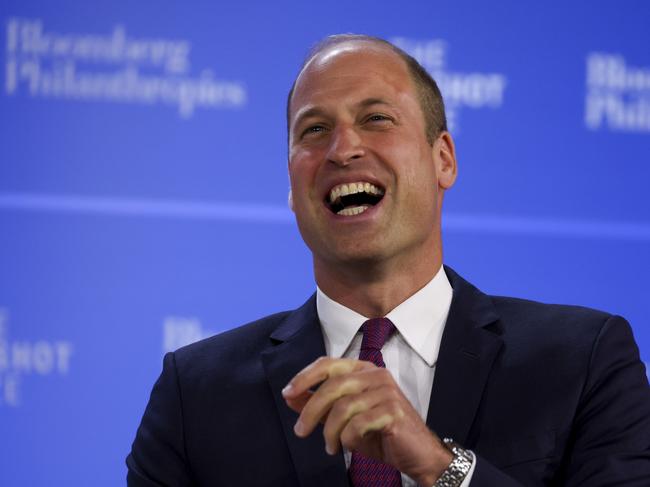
x=365 y=471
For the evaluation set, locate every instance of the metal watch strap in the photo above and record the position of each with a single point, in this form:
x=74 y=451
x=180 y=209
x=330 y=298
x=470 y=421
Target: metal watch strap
x=459 y=466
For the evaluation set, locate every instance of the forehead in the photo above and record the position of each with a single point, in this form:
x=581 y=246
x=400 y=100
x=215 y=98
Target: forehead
x=350 y=72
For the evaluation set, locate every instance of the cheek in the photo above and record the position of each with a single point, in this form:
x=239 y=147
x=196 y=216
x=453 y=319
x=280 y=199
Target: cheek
x=298 y=173
x=416 y=167
x=418 y=178
x=302 y=167
x=302 y=178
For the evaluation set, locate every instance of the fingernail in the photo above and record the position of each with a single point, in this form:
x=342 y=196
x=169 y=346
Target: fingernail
x=329 y=450
x=298 y=427
x=287 y=390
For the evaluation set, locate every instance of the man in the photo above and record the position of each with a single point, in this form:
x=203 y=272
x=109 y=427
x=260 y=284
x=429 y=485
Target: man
x=532 y=394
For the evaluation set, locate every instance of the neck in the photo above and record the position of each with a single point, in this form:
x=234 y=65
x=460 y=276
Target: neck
x=375 y=289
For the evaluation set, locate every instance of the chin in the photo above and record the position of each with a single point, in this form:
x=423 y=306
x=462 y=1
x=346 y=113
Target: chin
x=358 y=256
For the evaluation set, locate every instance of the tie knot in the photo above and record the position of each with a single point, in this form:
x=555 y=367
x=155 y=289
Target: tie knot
x=375 y=333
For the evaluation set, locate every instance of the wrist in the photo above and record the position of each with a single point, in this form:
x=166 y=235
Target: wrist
x=441 y=461
x=458 y=469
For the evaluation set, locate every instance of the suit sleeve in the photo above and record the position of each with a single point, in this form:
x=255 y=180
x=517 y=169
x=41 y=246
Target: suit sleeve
x=487 y=476
x=610 y=442
x=610 y=439
x=158 y=456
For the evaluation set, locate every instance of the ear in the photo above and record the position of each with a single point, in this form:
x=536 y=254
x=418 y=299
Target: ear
x=290 y=201
x=444 y=156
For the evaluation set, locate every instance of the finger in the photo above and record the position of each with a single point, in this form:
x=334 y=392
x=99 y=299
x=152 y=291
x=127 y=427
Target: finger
x=319 y=371
x=298 y=403
x=376 y=377
x=346 y=408
x=322 y=400
x=361 y=425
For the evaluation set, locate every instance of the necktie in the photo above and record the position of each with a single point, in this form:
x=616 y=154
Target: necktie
x=365 y=471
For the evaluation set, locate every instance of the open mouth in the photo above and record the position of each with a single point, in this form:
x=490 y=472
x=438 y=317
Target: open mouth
x=353 y=198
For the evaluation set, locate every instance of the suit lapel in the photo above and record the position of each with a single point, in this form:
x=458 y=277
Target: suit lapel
x=297 y=342
x=467 y=353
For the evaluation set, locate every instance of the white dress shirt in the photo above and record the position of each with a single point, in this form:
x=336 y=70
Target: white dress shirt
x=410 y=354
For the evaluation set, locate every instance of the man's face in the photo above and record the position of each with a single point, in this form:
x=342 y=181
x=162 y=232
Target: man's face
x=356 y=127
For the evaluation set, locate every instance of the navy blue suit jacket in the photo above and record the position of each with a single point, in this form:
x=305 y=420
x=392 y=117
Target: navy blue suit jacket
x=543 y=394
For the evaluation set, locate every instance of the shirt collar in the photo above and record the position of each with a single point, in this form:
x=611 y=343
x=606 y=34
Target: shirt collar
x=420 y=319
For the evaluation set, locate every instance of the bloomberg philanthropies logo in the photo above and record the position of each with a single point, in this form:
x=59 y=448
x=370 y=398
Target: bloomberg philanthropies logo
x=617 y=94
x=116 y=67
x=21 y=358
x=459 y=90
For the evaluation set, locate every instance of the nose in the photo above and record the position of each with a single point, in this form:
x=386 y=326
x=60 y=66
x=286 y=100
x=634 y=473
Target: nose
x=345 y=146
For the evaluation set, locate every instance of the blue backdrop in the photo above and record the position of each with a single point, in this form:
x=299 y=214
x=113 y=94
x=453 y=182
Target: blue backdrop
x=143 y=185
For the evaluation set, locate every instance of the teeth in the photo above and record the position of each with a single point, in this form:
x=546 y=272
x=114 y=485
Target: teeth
x=352 y=188
x=355 y=210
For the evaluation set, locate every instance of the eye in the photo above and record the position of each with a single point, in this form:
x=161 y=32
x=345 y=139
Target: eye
x=313 y=129
x=378 y=117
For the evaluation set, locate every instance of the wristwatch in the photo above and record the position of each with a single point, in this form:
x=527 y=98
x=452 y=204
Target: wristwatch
x=459 y=466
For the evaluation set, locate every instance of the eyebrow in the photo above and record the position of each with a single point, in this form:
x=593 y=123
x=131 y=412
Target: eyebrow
x=308 y=113
x=319 y=112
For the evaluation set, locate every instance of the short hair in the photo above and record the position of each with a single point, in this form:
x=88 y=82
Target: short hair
x=430 y=98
